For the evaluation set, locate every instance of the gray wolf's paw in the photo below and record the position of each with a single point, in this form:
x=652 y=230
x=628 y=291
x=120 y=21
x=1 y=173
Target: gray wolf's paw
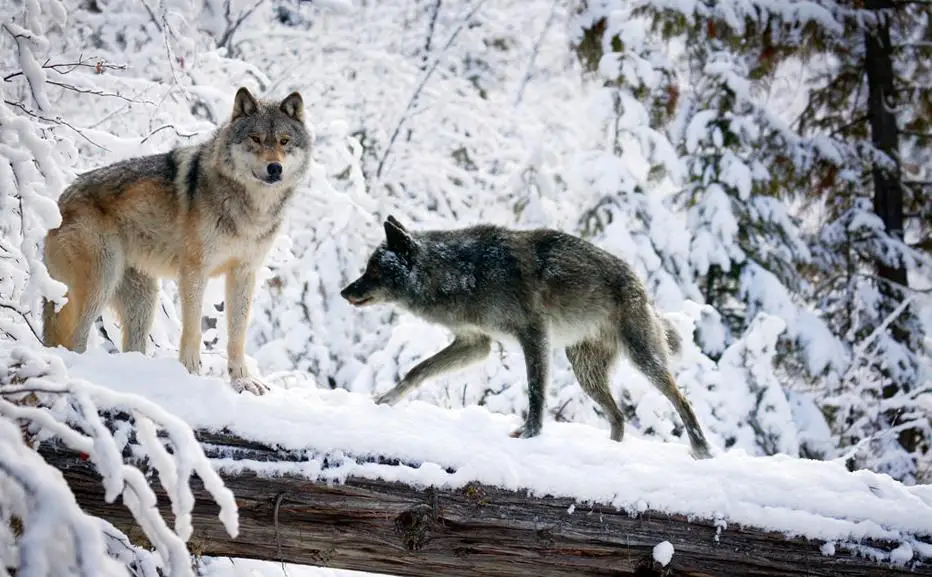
x=526 y=431
x=700 y=452
x=250 y=384
x=389 y=398
x=191 y=362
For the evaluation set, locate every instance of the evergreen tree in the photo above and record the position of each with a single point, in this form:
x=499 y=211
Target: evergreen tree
x=874 y=99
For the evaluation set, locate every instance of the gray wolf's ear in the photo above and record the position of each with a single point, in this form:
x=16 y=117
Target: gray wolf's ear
x=397 y=224
x=398 y=240
x=244 y=104
x=293 y=106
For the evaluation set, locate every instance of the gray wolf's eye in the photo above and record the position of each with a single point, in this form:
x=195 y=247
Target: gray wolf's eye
x=255 y=138
x=284 y=140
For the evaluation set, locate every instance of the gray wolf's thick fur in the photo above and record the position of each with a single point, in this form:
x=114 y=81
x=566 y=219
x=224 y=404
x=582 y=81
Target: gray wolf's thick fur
x=540 y=288
x=193 y=213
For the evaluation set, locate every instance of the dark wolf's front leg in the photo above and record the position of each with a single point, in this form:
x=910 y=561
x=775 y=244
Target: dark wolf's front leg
x=536 y=347
x=462 y=352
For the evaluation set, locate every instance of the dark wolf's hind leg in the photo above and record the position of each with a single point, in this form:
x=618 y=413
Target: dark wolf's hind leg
x=535 y=344
x=592 y=364
x=647 y=352
x=135 y=302
x=462 y=352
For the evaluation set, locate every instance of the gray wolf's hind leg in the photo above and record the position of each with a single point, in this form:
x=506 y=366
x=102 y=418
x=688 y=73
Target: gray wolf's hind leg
x=465 y=350
x=592 y=364
x=648 y=354
x=108 y=270
x=135 y=301
x=535 y=344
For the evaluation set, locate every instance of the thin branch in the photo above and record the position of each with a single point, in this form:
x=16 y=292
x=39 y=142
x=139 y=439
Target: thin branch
x=234 y=26
x=537 y=44
x=97 y=92
x=430 y=33
x=164 y=127
x=423 y=83
x=16 y=310
x=54 y=121
x=68 y=67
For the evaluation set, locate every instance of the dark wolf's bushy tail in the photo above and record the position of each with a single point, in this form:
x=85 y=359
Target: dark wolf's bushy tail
x=674 y=341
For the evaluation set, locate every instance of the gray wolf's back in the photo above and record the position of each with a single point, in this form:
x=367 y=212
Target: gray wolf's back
x=158 y=170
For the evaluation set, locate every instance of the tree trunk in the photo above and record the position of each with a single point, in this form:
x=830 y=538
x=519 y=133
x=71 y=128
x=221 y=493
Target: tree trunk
x=881 y=103
x=888 y=191
x=478 y=531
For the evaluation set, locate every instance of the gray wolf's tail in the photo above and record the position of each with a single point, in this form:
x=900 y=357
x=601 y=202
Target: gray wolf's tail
x=674 y=341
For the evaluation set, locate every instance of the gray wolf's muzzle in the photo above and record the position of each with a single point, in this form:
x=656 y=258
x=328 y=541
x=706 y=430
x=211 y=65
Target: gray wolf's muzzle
x=273 y=172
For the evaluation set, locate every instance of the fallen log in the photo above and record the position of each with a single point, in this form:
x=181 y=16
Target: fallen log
x=477 y=531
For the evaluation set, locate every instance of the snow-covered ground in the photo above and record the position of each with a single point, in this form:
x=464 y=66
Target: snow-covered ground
x=819 y=500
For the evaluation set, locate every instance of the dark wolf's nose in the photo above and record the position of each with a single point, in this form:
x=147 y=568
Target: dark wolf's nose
x=275 y=170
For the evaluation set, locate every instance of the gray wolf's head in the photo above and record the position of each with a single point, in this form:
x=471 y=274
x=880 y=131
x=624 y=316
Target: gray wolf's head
x=267 y=143
x=387 y=276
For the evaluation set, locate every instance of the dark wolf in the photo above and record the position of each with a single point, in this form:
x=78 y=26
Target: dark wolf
x=541 y=288
x=193 y=213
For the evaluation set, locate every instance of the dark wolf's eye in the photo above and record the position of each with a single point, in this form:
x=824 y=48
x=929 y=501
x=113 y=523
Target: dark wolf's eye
x=373 y=271
x=284 y=140
x=256 y=138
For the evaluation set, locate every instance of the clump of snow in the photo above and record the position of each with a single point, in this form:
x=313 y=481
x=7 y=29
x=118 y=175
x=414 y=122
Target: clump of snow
x=663 y=552
x=450 y=448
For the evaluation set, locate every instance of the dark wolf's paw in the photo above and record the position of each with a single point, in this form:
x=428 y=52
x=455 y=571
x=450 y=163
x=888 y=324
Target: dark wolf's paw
x=526 y=431
x=700 y=452
x=250 y=384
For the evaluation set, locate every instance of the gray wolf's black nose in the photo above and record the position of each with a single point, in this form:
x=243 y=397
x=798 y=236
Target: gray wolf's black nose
x=274 y=169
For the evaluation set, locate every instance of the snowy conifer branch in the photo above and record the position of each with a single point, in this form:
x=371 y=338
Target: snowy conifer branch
x=37 y=395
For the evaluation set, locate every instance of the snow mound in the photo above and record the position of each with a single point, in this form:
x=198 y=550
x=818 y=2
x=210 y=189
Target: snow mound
x=449 y=448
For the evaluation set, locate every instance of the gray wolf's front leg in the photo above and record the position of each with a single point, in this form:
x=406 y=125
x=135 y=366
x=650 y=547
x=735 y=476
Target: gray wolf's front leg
x=462 y=352
x=240 y=285
x=536 y=347
x=191 y=286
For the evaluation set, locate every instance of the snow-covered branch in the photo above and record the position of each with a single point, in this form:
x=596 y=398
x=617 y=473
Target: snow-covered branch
x=40 y=403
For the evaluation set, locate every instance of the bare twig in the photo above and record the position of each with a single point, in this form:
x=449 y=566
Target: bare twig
x=430 y=33
x=537 y=44
x=16 y=309
x=68 y=67
x=164 y=127
x=74 y=88
x=232 y=27
x=423 y=83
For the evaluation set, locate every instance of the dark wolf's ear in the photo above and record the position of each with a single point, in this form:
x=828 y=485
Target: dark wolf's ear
x=398 y=240
x=293 y=106
x=397 y=224
x=244 y=104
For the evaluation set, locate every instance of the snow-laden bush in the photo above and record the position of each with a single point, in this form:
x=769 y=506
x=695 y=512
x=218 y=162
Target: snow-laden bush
x=43 y=531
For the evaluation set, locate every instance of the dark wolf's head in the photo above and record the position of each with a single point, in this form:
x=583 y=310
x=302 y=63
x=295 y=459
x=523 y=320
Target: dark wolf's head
x=388 y=271
x=266 y=143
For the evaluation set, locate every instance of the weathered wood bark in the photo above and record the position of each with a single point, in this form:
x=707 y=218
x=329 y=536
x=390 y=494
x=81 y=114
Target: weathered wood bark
x=479 y=531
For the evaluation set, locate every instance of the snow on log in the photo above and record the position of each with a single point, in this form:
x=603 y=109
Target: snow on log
x=328 y=478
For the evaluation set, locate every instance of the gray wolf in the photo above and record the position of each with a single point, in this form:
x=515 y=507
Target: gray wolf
x=190 y=214
x=540 y=288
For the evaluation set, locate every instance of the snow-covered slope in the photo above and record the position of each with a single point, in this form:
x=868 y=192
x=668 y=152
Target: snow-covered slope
x=819 y=500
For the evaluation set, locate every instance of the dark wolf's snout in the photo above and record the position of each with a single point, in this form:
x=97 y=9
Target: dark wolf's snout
x=274 y=171
x=358 y=292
